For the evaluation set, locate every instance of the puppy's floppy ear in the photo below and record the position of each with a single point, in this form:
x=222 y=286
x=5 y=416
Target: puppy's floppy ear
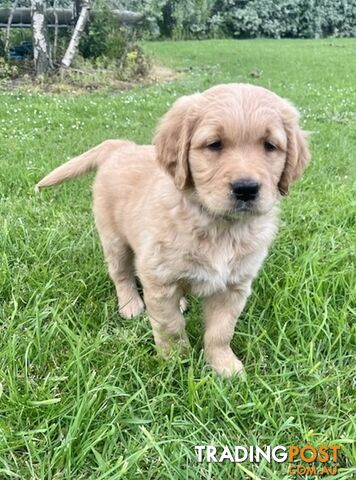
x=173 y=138
x=298 y=154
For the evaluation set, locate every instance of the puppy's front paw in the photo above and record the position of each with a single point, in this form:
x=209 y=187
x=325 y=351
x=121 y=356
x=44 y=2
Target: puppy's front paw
x=166 y=347
x=132 y=307
x=224 y=362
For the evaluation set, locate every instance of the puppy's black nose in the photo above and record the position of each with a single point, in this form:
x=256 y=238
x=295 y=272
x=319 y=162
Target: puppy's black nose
x=245 y=189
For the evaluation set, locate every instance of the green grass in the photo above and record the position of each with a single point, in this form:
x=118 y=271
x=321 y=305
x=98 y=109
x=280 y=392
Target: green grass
x=83 y=394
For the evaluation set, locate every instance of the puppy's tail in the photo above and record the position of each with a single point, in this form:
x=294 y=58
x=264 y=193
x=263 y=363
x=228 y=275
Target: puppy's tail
x=83 y=163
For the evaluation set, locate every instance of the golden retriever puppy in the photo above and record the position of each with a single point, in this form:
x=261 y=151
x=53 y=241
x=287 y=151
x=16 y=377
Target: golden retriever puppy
x=196 y=212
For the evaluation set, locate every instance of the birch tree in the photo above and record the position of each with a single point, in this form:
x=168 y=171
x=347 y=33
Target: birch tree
x=78 y=30
x=55 y=41
x=41 y=47
x=8 y=29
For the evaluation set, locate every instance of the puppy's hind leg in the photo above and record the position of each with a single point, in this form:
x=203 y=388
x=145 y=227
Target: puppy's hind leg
x=119 y=258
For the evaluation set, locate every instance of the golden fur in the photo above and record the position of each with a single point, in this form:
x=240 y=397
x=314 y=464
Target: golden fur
x=168 y=212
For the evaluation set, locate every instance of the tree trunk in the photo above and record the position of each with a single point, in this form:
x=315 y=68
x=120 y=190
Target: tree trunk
x=55 y=41
x=8 y=29
x=41 y=49
x=77 y=6
x=74 y=41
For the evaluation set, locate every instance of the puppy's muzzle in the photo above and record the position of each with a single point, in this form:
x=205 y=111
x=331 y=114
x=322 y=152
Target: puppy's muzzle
x=245 y=189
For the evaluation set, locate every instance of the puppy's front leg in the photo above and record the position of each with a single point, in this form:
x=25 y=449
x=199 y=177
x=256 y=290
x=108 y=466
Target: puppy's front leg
x=168 y=324
x=221 y=312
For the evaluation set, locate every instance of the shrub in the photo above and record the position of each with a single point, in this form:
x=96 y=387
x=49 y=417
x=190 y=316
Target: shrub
x=103 y=37
x=8 y=70
x=136 y=64
x=258 y=18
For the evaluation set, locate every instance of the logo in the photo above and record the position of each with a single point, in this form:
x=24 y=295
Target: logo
x=304 y=460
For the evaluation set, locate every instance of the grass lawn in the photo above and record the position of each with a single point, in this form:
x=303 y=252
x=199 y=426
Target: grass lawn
x=83 y=394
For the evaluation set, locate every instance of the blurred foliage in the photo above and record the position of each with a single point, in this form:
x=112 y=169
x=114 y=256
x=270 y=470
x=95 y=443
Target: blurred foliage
x=284 y=18
x=7 y=69
x=2 y=47
x=189 y=19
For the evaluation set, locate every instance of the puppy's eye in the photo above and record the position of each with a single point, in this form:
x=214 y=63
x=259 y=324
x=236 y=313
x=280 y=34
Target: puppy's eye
x=218 y=145
x=269 y=147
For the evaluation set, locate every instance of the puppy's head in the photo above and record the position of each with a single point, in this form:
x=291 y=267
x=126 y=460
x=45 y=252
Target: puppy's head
x=236 y=146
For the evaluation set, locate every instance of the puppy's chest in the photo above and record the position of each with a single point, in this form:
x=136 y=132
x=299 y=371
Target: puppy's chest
x=206 y=274
x=210 y=267
x=207 y=263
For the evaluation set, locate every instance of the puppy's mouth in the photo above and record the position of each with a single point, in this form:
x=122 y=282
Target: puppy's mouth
x=231 y=210
x=243 y=206
x=240 y=210
x=237 y=212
